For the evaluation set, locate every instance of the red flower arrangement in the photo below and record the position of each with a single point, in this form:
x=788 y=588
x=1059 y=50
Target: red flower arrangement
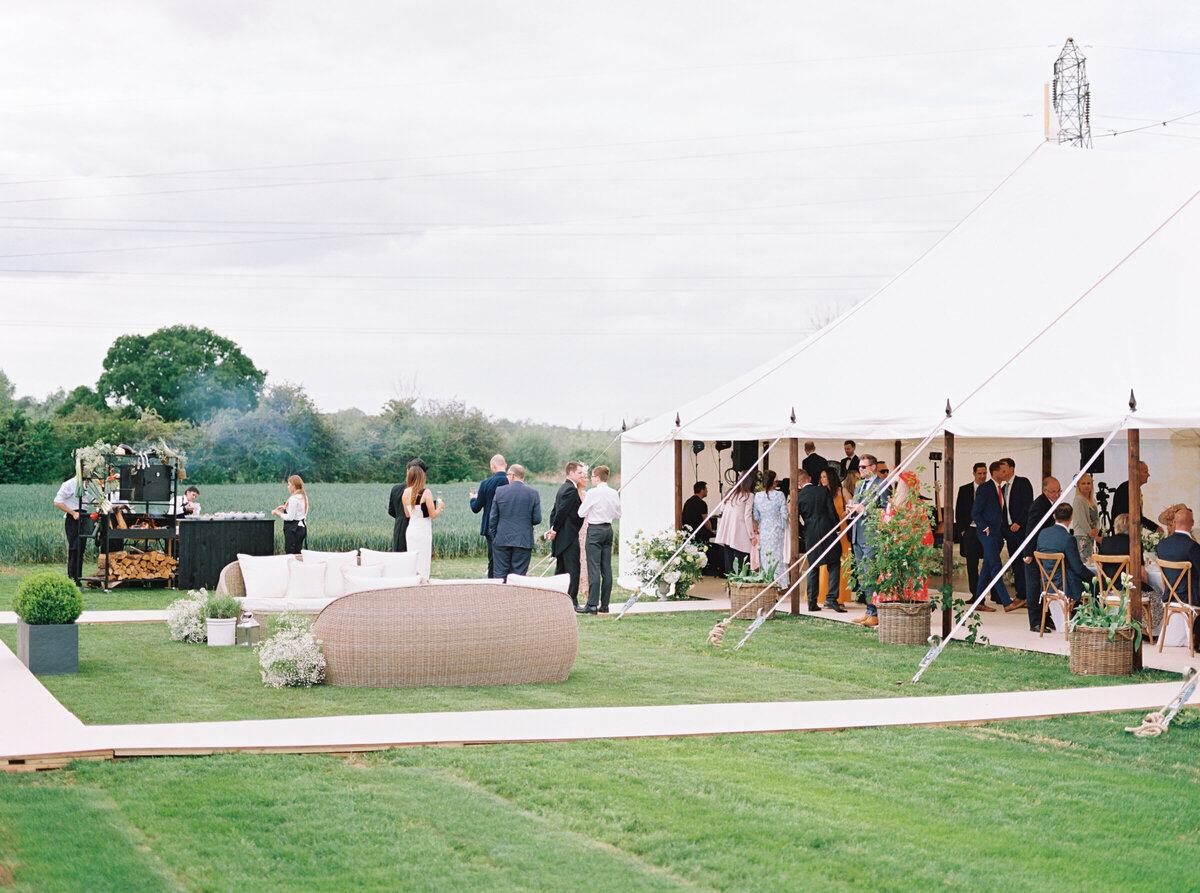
x=900 y=547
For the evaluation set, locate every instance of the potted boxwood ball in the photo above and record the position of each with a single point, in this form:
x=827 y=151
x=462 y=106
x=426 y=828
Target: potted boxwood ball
x=222 y=612
x=47 y=605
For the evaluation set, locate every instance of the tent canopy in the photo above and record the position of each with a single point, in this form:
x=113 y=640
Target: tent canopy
x=1036 y=316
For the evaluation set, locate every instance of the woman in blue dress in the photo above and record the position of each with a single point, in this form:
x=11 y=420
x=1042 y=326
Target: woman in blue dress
x=770 y=524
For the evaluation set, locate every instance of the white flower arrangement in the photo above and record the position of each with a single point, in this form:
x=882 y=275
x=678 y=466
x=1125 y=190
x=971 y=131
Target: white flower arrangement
x=291 y=658
x=653 y=553
x=186 y=617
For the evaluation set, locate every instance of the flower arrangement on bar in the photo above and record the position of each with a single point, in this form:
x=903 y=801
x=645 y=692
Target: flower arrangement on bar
x=901 y=551
x=651 y=555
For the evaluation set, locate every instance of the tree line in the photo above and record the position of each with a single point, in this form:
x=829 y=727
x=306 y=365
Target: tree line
x=198 y=392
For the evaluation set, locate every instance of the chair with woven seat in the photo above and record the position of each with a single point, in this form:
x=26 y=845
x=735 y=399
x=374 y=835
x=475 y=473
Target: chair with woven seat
x=1173 y=604
x=1052 y=591
x=1109 y=570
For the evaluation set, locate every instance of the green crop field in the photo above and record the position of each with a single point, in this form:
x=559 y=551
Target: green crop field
x=342 y=516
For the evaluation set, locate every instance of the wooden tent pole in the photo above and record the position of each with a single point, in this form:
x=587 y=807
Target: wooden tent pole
x=794 y=521
x=1047 y=456
x=1135 y=532
x=678 y=484
x=948 y=526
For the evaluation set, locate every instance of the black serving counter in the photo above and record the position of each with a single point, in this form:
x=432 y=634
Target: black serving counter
x=207 y=545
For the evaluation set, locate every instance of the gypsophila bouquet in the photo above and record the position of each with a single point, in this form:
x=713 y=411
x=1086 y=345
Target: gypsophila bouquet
x=1150 y=540
x=186 y=617
x=653 y=553
x=900 y=548
x=291 y=657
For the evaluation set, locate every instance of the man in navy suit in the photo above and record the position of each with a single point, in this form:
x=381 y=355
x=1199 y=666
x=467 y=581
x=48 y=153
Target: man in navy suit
x=516 y=510
x=988 y=515
x=1180 y=546
x=1059 y=538
x=965 y=533
x=816 y=510
x=565 y=524
x=1051 y=490
x=481 y=501
x=814 y=463
x=1018 y=499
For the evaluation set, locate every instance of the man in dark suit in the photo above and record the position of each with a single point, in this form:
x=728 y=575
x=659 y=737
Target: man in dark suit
x=815 y=505
x=965 y=533
x=695 y=510
x=846 y=465
x=813 y=463
x=1018 y=497
x=565 y=524
x=396 y=510
x=1120 y=504
x=1051 y=490
x=481 y=501
x=988 y=515
x=516 y=510
x=1180 y=546
x=1059 y=538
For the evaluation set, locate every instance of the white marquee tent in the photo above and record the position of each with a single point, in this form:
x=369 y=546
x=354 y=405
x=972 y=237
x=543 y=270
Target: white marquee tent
x=1065 y=289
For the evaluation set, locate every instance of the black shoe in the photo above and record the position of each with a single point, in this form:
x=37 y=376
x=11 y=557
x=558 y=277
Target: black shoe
x=813 y=606
x=604 y=609
x=584 y=610
x=834 y=606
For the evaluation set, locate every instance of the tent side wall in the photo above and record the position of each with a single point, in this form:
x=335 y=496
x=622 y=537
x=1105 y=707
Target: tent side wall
x=647 y=498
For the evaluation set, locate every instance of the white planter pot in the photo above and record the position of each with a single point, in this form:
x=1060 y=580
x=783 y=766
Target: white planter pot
x=222 y=631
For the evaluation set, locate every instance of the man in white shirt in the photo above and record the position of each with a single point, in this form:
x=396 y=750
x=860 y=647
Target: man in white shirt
x=601 y=506
x=69 y=500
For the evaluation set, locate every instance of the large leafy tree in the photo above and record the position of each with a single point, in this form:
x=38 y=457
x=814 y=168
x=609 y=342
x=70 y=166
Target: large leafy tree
x=181 y=372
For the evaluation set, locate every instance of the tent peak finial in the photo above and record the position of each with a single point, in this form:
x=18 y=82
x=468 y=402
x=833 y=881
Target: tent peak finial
x=624 y=427
x=949 y=411
x=1132 y=401
x=793 y=415
x=677 y=422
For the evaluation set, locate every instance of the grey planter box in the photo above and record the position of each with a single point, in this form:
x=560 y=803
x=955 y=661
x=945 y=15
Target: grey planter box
x=48 y=650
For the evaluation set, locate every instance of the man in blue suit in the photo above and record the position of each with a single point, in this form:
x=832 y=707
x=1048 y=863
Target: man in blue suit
x=516 y=510
x=1018 y=499
x=1059 y=538
x=482 y=501
x=988 y=515
x=869 y=493
x=1180 y=546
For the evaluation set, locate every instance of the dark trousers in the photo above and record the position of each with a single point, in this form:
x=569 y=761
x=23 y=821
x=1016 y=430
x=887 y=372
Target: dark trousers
x=732 y=557
x=861 y=551
x=1033 y=593
x=568 y=563
x=599 y=559
x=75 y=544
x=971 y=551
x=294 y=534
x=991 y=567
x=510 y=560
x=1019 y=580
x=831 y=590
x=491 y=558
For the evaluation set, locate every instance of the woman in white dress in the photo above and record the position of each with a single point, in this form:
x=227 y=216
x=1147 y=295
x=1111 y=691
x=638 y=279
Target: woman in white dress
x=420 y=509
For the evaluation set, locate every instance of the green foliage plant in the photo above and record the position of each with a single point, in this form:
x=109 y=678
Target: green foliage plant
x=949 y=601
x=48 y=598
x=742 y=574
x=1094 y=612
x=222 y=607
x=900 y=548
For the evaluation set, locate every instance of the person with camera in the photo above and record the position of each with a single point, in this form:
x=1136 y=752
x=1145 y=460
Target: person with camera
x=1121 y=499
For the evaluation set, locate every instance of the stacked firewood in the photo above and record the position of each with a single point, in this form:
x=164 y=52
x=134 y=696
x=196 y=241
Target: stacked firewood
x=137 y=565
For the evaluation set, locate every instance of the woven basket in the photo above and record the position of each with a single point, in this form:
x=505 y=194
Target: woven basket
x=741 y=594
x=1092 y=654
x=904 y=623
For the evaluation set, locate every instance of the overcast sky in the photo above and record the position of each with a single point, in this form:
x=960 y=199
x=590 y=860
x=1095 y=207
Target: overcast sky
x=569 y=212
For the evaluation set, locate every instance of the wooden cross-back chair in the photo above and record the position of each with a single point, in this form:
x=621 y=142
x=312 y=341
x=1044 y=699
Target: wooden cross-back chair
x=1109 y=569
x=1051 y=591
x=1173 y=604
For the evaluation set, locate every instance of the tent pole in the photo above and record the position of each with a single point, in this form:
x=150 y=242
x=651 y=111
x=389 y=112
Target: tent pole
x=794 y=521
x=678 y=484
x=1135 y=531
x=1047 y=456
x=948 y=527
x=896 y=461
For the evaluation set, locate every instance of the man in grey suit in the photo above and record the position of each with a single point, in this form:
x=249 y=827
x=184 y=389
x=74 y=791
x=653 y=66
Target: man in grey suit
x=868 y=494
x=516 y=510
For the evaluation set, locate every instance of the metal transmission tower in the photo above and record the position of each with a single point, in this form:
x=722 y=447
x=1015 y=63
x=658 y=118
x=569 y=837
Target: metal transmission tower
x=1072 y=97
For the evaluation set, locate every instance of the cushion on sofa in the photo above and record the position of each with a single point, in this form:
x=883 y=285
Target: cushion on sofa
x=395 y=564
x=362 y=584
x=559 y=582
x=266 y=576
x=306 y=579
x=335 y=562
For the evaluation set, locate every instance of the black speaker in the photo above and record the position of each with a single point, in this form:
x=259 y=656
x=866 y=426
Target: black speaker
x=721 y=445
x=1087 y=446
x=128 y=474
x=152 y=484
x=745 y=454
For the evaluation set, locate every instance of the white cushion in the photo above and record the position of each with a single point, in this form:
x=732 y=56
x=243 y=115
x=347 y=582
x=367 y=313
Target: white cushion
x=395 y=564
x=335 y=560
x=306 y=579
x=370 y=572
x=360 y=584
x=266 y=576
x=559 y=583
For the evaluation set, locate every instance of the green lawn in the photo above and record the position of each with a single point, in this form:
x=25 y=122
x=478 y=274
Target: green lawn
x=1070 y=803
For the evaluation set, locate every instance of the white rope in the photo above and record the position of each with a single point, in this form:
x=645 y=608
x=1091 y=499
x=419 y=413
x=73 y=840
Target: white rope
x=937 y=649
